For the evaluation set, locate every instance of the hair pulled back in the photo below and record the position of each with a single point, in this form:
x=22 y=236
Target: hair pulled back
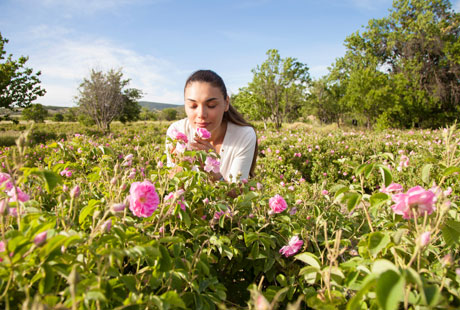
x=231 y=115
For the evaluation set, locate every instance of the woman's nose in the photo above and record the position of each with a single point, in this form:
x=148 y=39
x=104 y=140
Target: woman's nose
x=202 y=112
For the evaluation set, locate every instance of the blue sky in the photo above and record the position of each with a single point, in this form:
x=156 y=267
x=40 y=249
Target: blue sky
x=158 y=43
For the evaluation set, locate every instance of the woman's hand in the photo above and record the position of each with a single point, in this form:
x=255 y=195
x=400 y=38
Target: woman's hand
x=202 y=145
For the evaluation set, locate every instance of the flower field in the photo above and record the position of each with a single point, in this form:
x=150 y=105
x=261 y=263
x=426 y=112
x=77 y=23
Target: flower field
x=334 y=219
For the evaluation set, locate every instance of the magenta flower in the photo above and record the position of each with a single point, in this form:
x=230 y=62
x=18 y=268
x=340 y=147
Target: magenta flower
x=416 y=198
x=40 y=238
x=392 y=188
x=211 y=164
x=324 y=192
x=277 y=204
x=143 y=199
x=177 y=135
x=203 y=133
x=5 y=180
x=293 y=246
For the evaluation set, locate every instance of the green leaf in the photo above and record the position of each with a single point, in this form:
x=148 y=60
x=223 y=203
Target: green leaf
x=309 y=258
x=426 y=170
x=386 y=175
x=450 y=170
x=88 y=210
x=378 y=199
x=130 y=282
x=95 y=295
x=356 y=303
x=432 y=294
x=389 y=290
x=51 y=180
x=47 y=282
x=172 y=298
x=377 y=242
x=353 y=199
x=451 y=232
x=382 y=265
x=165 y=261
x=368 y=170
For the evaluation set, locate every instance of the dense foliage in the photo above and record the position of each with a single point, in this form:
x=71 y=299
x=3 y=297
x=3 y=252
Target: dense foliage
x=98 y=222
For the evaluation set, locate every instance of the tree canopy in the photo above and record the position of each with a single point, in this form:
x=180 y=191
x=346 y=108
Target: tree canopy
x=19 y=86
x=104 y=97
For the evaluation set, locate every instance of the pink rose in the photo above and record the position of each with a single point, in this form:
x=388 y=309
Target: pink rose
x=293 y=246
x=5 y=180
x=177 y=135
x=118 y=207
x=277 y=204
x=425 y=238
x=203 y=133
x=392 y=188
x=40 y=238
x=18 y=194
x=143 y=199
x=211 y=164
x=416 y=198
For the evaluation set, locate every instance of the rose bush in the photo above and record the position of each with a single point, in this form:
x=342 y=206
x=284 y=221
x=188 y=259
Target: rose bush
x=123 y=231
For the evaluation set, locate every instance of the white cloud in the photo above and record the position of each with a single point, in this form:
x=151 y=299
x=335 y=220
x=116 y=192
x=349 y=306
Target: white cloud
x=65 y=62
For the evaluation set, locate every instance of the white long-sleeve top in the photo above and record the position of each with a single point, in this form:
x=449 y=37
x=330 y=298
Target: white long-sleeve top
x=237 y=149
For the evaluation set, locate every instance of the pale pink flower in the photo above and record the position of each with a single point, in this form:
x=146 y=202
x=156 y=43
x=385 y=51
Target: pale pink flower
x=13 y=212
x=40 y=238
x=143 y=199
x=448 y=191
x=259 y=186
x=180 y=148
x=212 y=164
x=277 y=204
x=203 y=133
x=416 y=198
x=403 y=163
x=17 y=194
x=118 y=207
x=324 y=192
x=206 y=201
x=392 y=188
x=107 y=225
x=75 y=192
x=293 y=211
x=2 y=246
x=293 y=246
x=177 y=135
x=261 y=303
x=425 y=238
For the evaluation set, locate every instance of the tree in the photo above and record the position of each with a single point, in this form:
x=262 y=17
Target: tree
x=103 y=97
x=131 y=108
x=58 y=117
x=35 y=112
x=19 y=86
x=169 y=114
x=417 y=47
x=278 y=87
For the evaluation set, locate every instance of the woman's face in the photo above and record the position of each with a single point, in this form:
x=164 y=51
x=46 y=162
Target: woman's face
x=205 y=105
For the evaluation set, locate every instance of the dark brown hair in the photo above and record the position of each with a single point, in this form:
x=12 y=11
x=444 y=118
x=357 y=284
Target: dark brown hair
x=231 y=115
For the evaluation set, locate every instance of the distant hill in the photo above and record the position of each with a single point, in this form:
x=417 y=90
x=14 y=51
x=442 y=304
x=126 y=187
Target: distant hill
x=158 y=106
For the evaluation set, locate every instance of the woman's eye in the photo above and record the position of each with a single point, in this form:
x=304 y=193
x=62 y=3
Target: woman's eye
x=212 y=106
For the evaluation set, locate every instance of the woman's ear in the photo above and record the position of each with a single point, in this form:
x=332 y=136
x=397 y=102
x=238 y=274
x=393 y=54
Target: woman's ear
x=227 y=104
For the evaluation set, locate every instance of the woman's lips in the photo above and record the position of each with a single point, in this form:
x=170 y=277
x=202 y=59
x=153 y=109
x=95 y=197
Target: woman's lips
x=202 y=125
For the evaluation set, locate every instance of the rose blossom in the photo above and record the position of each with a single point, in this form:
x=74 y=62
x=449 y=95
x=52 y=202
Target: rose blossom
x=143 y=199
x=416 y=198
x=212 y=164
x=392 y=188
x=203 y=133
x=40 y=238
x=425 y=238
x=18 y=194
x=177 y=135
x=277 y=204
x=293 y=246
x=5 y=179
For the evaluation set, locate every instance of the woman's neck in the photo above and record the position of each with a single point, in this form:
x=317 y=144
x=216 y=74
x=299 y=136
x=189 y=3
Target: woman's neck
x=218 y=137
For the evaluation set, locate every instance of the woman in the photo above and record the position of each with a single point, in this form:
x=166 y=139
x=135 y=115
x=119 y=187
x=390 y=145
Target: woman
x=207 y=105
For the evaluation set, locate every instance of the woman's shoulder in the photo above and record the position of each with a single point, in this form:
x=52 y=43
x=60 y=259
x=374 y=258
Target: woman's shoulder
x=239 y=132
